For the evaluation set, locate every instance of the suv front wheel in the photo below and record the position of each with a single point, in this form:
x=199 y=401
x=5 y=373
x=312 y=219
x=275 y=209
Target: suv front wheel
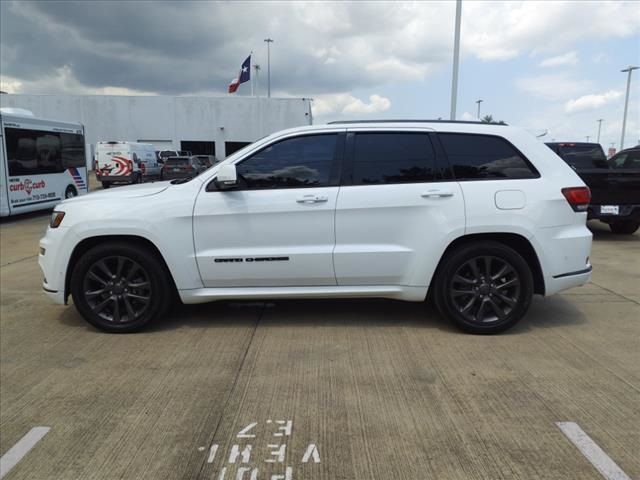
x=485 y=287
x=119 y=287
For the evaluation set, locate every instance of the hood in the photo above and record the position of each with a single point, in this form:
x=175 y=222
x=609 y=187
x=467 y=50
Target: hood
x=132 y=191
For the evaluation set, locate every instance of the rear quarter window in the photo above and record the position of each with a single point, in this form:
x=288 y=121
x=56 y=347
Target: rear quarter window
x=474 y=156
x=583 y=156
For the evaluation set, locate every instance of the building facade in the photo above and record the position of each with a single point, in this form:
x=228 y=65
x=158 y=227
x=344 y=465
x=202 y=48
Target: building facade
x=204 y=125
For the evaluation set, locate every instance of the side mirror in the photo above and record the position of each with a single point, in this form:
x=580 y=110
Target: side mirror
x=227 y=177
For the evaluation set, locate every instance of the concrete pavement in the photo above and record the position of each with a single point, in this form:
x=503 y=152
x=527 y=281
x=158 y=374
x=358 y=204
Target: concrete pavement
x=353 y=389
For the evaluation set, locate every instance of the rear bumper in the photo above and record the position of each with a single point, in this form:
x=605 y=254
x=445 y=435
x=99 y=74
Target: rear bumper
x=626 y=212
x=564 y=253
x=567 y=280
x=116 y=178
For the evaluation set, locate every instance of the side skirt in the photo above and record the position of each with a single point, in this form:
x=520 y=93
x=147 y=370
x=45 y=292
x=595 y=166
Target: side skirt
x=203 y=295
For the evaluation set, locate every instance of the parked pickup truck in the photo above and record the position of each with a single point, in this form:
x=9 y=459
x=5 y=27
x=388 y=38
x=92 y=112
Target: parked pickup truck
x=614 y=183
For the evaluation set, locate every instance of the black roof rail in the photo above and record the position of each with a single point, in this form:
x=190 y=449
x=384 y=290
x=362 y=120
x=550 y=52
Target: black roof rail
x=472 y=122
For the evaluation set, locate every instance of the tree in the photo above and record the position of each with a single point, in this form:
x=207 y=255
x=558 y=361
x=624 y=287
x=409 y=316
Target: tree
x=489 y=119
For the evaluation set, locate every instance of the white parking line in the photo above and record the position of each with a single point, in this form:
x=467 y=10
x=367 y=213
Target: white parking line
x=607 y=467
x=20 y=449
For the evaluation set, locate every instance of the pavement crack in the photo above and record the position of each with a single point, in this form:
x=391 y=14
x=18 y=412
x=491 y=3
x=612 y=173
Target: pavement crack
x=18 y=261
x=233 y=387
x=616 y=293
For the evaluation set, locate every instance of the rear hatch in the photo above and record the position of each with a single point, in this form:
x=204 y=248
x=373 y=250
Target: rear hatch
x=112 y=159
x=178 y=165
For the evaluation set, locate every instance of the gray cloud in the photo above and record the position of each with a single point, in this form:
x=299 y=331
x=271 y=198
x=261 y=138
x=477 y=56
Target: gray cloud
x=180 y=48
x=321 y=47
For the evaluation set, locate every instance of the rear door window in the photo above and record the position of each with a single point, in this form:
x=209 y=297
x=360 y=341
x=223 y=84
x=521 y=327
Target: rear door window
x=630 y=159
x=475 y=156
x=392 y=157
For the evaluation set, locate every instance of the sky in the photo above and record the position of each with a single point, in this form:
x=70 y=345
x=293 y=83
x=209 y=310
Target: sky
x=546 y=66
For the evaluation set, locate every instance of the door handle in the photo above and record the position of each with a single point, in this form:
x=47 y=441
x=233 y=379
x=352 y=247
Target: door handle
x=436 y=193
x=312 y=199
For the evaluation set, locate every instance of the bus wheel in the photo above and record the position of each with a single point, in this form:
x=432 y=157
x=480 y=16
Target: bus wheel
x=70 y=192
x=106 y=184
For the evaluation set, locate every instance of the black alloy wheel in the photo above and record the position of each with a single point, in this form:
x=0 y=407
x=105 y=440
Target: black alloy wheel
x=117 y=289
x=624 y=227
x=484 y=287
x=120 y=287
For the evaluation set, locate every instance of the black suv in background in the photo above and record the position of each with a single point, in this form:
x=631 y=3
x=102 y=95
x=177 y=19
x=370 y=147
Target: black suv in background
x=614 y=183
x=182 y=167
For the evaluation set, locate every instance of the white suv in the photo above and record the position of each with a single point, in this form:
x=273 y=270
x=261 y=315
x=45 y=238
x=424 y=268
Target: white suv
x=477 y=216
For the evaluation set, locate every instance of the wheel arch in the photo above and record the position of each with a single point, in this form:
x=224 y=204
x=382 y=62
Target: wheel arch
x=513 y=240
x=88 y=243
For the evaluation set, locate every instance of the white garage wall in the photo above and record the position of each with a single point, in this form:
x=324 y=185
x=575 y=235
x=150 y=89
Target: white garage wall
x=170 y=119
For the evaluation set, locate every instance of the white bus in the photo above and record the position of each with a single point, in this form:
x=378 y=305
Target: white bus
x=41 y=162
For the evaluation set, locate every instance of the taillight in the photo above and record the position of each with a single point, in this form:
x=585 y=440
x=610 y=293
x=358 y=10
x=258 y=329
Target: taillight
x=578 y=197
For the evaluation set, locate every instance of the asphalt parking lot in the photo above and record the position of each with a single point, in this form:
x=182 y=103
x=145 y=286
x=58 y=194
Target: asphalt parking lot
x=363 y=389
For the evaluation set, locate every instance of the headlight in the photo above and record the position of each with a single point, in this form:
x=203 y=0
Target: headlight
x=56 y=219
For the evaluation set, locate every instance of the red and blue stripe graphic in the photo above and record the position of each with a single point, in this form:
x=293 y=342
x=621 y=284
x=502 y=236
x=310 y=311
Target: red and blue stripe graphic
x=77 y=178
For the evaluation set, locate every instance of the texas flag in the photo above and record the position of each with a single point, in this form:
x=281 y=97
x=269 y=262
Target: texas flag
x=244 y=76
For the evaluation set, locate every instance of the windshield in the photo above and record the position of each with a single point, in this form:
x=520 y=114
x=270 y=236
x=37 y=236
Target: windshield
x=583 y=156
x=168 y=153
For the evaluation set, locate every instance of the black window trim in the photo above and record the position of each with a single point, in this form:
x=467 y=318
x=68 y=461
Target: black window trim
x=334 y=173
x=442 y=171
x=531 y=166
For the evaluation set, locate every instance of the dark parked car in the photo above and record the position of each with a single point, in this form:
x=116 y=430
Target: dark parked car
x=181 y=167
x=208 y=160
x=614 y=183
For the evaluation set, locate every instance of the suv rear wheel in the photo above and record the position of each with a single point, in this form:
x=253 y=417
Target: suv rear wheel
x=625 y=227
x=120 y=288
x=485 y=287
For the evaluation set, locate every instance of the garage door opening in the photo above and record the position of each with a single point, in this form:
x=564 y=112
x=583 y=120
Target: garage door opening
x=231 y=147
x=198 y=148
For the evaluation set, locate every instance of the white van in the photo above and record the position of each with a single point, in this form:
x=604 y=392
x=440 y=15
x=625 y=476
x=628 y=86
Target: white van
x=125 y=162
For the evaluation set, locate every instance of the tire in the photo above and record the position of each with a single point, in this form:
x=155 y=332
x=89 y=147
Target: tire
x=491 y=306
x=141 y=291
x=624 y=227
x=70 y=192
x=106 y=184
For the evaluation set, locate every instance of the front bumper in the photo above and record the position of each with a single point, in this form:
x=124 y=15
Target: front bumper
x=55 y=251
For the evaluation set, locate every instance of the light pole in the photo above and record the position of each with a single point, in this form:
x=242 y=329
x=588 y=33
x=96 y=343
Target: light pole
x=588 y=137
x=599 y=127
x=456 y=59
x=269 y=41
x=628 y=70
x=256 y=68
x=479 y=102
